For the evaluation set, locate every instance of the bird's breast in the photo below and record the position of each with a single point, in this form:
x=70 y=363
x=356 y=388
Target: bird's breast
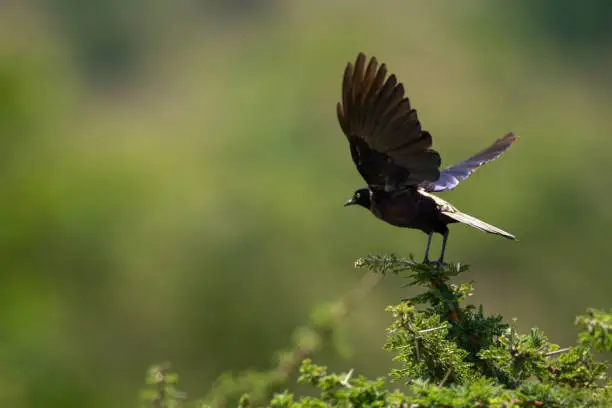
x=396 y=210
x=409 y=209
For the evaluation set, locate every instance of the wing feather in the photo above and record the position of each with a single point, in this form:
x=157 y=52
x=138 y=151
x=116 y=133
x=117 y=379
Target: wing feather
x=387 y=143
x=452 y=175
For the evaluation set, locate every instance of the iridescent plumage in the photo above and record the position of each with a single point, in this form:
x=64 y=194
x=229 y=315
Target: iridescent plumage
x=394 y=155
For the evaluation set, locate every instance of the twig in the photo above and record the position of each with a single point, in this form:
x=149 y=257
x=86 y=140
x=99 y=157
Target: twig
x=160 y=379
x=347 y=304
x=448 y=373
x=294 y=357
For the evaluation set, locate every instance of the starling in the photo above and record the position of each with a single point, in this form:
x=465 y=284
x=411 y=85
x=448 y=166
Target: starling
x=394 y=156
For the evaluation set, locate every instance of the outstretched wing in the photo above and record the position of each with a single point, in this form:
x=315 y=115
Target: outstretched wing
x=452 y=175
x=387 y=143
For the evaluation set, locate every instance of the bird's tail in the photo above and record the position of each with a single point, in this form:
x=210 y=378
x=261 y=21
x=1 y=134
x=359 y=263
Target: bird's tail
x=478 y=224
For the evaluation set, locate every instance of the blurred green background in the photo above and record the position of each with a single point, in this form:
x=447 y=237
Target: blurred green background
x=173 y=174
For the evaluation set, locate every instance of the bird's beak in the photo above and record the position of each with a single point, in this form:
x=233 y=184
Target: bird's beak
x=350 y=202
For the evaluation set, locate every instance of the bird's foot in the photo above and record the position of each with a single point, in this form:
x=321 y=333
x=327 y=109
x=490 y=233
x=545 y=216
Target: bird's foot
x=439 y=263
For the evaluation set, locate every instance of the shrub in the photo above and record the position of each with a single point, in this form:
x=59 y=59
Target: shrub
x=446 y=354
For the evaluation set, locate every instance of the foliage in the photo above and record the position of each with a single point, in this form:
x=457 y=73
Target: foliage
x=446 y=354
x=597 y=325
x=162 y=391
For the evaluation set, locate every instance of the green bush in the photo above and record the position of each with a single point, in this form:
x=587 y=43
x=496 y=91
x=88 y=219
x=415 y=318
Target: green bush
x=446 y=354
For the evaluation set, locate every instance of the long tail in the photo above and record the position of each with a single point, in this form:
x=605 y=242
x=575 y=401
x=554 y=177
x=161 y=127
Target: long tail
x=478 y=224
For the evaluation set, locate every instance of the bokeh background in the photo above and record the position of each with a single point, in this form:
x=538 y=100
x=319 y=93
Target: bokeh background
x=172 y=178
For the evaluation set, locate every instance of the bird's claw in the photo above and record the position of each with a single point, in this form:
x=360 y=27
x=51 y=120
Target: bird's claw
x=439 y=263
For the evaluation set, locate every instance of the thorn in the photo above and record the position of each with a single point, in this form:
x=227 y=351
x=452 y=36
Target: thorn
x=346 y=380
x=432 y=329
x=554 y=353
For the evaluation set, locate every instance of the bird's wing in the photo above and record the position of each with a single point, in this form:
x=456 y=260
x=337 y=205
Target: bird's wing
x=452 y=175
x=387 y=144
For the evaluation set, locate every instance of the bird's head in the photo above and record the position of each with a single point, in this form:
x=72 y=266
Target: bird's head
x=360 y=197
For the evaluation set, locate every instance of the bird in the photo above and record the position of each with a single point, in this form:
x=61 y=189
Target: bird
x=394 y=155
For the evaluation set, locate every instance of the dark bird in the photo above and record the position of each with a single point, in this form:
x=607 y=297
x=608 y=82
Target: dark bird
x=394 y=156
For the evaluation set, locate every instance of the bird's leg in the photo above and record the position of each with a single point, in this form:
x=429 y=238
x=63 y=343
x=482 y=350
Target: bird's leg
x=444 y=239
x=426 y=259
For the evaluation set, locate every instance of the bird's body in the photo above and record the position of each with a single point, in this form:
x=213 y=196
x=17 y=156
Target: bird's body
x=409 y=208
x=394 y=156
